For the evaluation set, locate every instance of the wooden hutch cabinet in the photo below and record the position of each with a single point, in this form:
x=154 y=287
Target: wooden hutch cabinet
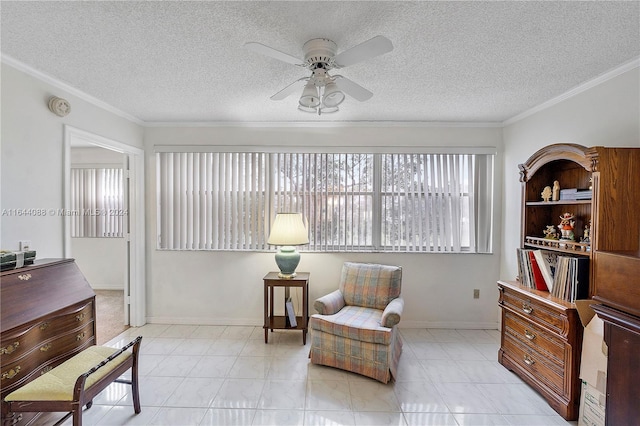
x=47 y=316
x=541 y=338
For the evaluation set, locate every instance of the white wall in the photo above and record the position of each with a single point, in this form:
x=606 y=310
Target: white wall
x=605 y=115
x=32 y=156
x=101 y=260
x=227 y=287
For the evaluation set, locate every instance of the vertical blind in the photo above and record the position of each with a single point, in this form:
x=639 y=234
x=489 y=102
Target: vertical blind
x=426 y=201
x=212 y=201
x=351 y=201
x=97 y=202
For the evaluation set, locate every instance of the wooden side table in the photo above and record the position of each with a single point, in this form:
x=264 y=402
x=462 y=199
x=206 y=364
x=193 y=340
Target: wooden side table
x=279 y=322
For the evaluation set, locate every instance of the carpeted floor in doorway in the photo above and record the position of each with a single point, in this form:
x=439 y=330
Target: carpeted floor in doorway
x=109 y=314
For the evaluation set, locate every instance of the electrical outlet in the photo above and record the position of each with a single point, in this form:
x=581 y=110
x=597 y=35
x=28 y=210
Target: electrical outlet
x=476 y=293
x=25 y=245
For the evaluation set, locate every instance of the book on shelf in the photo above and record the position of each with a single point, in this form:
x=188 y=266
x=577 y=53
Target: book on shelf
x=565 y=277
x=291 y=314
x=538 y=279
x=547 y=264
x=571 y=281
x=576 y=194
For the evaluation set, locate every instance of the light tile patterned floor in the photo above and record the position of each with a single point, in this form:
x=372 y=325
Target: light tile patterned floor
x=217 y=375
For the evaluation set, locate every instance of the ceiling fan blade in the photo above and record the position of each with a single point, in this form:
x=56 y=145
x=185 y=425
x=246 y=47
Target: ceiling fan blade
x=352 y=89
x=270 y=51
x=297 y=85
x=369 y=49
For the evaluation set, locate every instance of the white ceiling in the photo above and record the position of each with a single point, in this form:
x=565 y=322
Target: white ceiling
x=452 y=61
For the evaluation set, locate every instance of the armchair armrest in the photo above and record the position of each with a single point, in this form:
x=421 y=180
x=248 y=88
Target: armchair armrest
x=392 y=313
x=329 y=304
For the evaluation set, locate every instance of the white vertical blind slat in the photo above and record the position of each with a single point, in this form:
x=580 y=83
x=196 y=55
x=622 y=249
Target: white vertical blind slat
x=96 y=202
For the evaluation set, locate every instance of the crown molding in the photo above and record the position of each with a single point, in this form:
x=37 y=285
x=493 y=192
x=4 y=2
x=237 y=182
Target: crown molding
x=324 y=124
x=627 y=66
x=46 y=78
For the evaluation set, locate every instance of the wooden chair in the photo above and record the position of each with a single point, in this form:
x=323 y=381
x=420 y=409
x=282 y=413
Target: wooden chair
x=74 y=383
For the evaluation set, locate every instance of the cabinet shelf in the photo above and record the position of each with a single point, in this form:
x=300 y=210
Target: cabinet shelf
x=563 y=246
x=558 y=203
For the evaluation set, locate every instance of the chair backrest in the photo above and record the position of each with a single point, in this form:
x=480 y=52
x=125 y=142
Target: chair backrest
x=370 y=285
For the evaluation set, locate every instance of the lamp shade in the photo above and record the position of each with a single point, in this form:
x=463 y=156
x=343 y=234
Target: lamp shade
x=310 y=98
x=332 y=95
x=288 y=230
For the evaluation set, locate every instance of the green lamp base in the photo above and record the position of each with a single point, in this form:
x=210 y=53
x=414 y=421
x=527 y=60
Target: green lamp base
x=287 y=260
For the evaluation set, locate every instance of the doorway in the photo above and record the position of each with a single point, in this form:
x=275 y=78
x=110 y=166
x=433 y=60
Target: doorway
x=133 y=249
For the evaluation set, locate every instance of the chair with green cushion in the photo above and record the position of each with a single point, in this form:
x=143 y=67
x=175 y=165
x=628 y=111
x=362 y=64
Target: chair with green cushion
x=356 y=327
x=74 y=383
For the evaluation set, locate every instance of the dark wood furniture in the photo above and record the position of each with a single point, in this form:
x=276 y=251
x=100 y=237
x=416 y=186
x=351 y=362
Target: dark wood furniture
x=279 y=322
x=617 y=283
x=47 y=316
x=622 y=336
x=611 y=173
x=77 y=394
x=541 y=342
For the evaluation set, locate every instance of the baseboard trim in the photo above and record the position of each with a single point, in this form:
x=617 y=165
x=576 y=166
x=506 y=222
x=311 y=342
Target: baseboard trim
x=259 y=323
x=450 y=325
x=205 y=321
x=106 y=287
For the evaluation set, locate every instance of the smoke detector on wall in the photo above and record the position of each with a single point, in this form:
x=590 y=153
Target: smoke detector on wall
x=59 y=106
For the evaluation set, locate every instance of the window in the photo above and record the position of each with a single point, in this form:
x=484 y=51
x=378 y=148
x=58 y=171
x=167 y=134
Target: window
x=351 y=201
x=97 y=202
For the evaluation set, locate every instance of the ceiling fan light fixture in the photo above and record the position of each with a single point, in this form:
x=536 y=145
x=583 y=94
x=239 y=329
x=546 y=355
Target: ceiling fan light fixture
x=332 y=95
x=318 y=110
x=310 y=97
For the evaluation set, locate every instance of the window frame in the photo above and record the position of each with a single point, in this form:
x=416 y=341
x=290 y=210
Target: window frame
x=376 y=194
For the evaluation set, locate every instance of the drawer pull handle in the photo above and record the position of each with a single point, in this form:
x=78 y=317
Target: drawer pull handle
x=527 y=308
x=46 y=370
x=9 y=349
x=45 y=348
x=44 y=326
x=11 y=373
x=80 y=336
x=529 y=335
x=24 y=277
x=80 y=317
x=528 y=360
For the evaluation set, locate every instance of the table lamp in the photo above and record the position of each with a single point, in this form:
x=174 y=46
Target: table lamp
x=288 y=230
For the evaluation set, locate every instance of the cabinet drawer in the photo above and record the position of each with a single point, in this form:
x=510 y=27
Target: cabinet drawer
x=535 y=363
x=535 y=311
x=535 y=338
x=39 y=358
x=22 y=341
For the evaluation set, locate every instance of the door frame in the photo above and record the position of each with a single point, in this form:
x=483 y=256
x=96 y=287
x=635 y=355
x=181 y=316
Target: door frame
x=137 y=261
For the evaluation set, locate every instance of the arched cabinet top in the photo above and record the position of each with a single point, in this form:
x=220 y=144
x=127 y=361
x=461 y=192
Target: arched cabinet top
x=561 y=151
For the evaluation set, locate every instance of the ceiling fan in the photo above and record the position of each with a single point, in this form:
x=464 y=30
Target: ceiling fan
x=321 y=92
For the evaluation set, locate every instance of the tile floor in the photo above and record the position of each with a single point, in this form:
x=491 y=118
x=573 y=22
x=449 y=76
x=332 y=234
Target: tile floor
x=217 y=375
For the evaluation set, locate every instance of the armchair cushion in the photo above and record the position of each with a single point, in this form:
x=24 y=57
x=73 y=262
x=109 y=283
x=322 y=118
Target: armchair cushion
x=330 y=303
x=392 y=313
x=370 y=285
x=355 y=323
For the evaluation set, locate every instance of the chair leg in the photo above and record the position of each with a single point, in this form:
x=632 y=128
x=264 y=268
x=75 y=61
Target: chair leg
x=135 y=390
x=89 y=404
x=77 y=415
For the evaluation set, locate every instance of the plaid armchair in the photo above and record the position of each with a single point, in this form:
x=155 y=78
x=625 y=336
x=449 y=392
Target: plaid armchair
x=355 y=329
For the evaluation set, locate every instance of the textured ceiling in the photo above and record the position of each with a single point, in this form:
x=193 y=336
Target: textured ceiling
x=452 y=61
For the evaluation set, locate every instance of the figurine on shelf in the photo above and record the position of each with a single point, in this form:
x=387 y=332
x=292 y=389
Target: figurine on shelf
x=566 y=226
x=556 y=191
x=587 y=232
x=546 y=193
x=550 y=233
